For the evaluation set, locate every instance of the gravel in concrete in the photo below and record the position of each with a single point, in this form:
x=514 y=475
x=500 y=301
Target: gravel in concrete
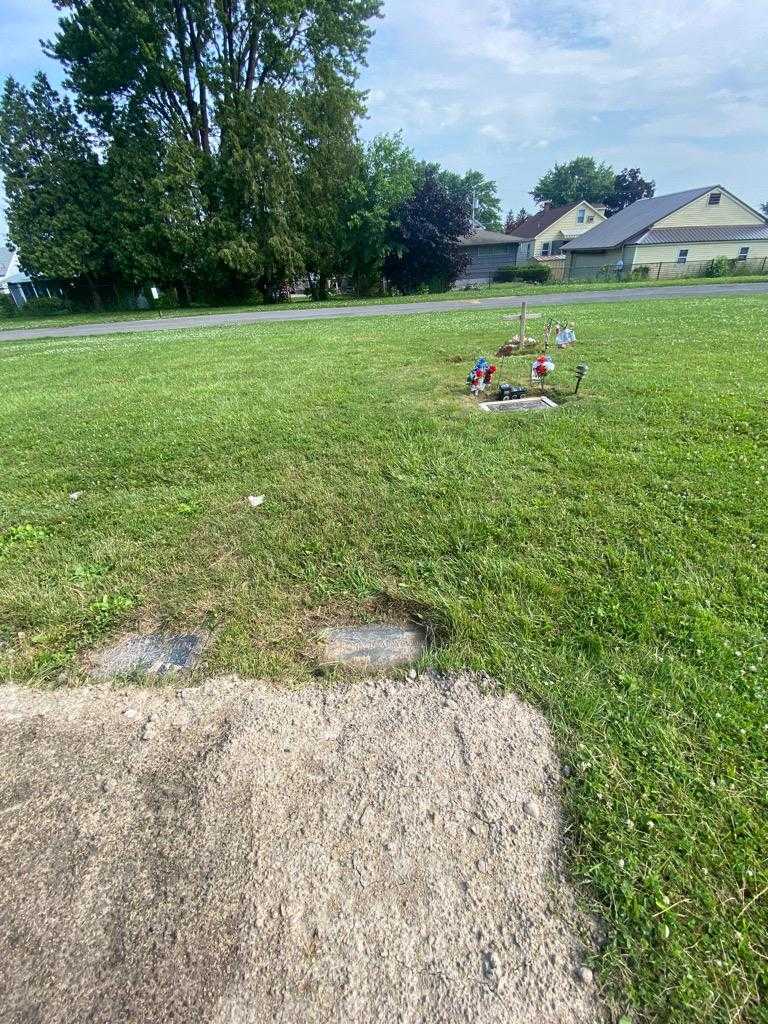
x=175 y=323
x=239 y=854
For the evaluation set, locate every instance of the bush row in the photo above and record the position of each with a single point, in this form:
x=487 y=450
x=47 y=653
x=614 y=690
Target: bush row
x=44 y=305
x=533 y=273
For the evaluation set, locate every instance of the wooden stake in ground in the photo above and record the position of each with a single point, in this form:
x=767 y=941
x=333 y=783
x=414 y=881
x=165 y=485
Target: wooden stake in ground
x=521 y=335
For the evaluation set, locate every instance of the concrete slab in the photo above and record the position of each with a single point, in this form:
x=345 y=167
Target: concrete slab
x=151 y=654
x=372 y=646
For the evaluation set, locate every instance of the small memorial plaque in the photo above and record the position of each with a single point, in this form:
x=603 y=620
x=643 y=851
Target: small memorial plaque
x=151 y=654
x=372 y=645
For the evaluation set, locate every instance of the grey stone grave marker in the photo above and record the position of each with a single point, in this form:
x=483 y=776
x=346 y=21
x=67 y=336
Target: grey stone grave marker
x=372 y=646
x=151 y=654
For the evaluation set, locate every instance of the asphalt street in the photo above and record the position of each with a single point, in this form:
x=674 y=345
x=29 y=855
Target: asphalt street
x=178 y=323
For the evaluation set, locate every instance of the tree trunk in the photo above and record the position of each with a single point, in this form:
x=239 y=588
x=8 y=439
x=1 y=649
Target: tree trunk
x=96 y=298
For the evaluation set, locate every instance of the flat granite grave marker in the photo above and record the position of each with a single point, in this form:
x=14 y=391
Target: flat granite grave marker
x=151 y=654
x=519 y=404
x=372 y=646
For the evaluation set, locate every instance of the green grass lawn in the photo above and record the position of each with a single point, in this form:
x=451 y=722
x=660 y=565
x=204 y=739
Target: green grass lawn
x=73 y=319
x=606 y=560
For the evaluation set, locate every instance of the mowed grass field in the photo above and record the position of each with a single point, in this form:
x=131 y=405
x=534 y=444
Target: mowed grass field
x=607 y=561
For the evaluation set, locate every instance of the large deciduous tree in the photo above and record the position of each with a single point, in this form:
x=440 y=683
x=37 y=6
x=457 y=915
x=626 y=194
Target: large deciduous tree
x=582 y=178
x=192 y=64
x=629 y=186
x=387 y=176
x=478 y=192
x=425 y=249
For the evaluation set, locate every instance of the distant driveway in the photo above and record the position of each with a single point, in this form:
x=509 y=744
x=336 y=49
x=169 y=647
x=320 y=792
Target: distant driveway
x=177 y=323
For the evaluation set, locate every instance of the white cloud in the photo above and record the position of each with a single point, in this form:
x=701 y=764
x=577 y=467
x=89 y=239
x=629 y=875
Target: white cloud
x=511 y=86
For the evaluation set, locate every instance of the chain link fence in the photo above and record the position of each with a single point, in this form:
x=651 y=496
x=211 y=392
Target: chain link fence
x=563 y=273
x=720 y=267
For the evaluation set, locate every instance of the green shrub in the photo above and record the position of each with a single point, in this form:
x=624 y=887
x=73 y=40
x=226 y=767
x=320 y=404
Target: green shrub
x=721 y=266
x=7 y=307
x=533 y=273
x=46 y=305
x=640 y=273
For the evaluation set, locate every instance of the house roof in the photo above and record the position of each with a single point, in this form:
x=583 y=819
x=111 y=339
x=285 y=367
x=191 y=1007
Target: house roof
x=5 y=260
x=715 y=233
x=483 y=237
x=633 y=220
x=539 y=221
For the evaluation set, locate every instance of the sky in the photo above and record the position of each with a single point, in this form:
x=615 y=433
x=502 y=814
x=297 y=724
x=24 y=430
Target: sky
x=678 y=88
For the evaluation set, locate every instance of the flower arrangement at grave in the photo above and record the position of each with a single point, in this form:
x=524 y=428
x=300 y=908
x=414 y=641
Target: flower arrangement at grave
x=480 y=376
x=541 y=368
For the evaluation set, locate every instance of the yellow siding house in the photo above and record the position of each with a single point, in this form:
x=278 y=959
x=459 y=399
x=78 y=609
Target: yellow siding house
x=673 y=235
x=544 y=234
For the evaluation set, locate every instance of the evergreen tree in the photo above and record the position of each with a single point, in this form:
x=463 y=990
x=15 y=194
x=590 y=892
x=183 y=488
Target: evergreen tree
x=58 y=203
x=514 y=220
x=387 y=177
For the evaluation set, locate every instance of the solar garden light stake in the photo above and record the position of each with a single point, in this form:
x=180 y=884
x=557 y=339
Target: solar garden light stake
x=581 y=372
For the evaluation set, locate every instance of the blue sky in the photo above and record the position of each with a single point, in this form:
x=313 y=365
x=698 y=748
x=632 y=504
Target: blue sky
x=676 y=87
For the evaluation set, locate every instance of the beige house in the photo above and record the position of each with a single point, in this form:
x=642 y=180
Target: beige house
x=543 y=235
x=673 y=235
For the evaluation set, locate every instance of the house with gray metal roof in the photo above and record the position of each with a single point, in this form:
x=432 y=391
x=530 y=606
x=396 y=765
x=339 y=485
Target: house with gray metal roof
x=673 y=235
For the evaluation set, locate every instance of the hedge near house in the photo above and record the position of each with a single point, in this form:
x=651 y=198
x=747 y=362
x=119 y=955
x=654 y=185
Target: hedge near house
x=533 y=273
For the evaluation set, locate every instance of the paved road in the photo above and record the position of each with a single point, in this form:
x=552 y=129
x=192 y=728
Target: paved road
x=176 y=323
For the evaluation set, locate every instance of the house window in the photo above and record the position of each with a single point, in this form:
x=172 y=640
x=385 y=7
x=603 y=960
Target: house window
x=682 y=256
x=545 y=248
x=714 y=198
x=744 y=253
x=581 y=216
